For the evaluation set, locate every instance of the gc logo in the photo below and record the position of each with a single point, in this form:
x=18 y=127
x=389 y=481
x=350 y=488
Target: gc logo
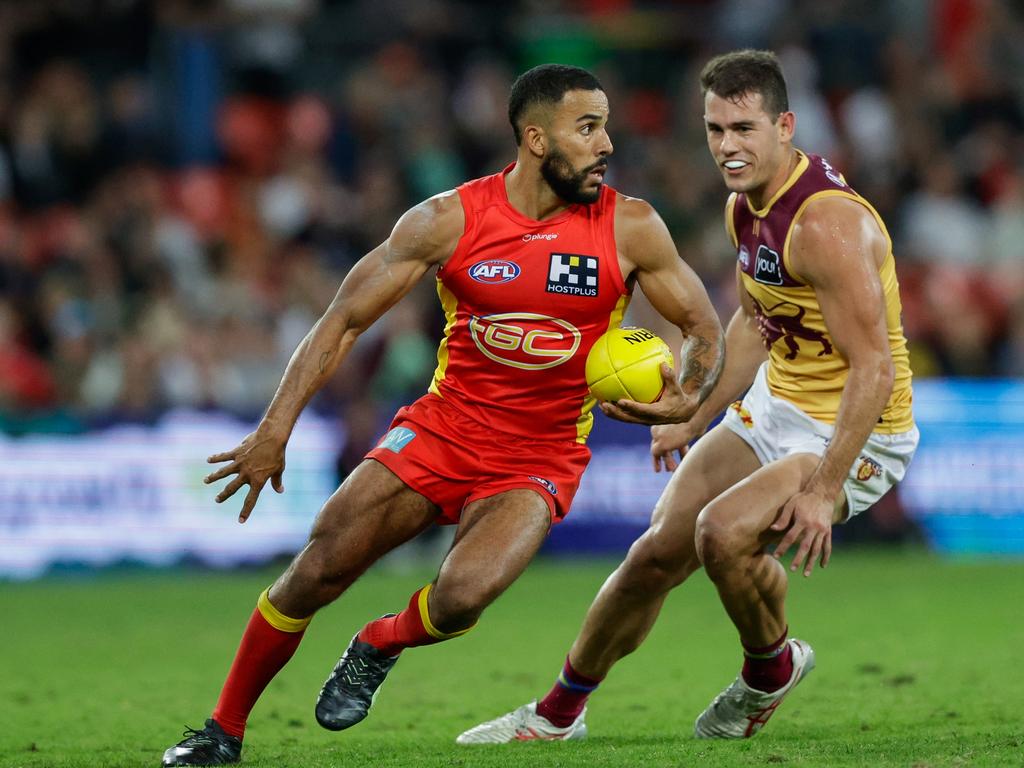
x=525 y=340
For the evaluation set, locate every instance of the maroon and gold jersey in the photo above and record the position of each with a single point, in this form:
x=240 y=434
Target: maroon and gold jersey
x=524 y=302
x=804 y=366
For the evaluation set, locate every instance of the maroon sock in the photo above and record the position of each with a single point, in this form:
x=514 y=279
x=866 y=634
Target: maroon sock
x=567 y=697
x=768 y=668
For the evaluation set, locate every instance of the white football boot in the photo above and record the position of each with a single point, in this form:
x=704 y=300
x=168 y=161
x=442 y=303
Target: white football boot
x=740 y=711
x=523 y=724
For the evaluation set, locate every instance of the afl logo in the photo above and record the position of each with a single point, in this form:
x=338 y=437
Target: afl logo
x=494 y=271
x=525 y=340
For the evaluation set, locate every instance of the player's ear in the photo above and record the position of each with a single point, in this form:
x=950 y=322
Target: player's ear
x=786 y=123
x=535 y=140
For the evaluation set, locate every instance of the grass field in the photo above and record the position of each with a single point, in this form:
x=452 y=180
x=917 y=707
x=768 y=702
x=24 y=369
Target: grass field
x=918 y=665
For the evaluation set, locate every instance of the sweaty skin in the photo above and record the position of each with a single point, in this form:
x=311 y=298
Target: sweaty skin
x=721 y=508
x=374 y=511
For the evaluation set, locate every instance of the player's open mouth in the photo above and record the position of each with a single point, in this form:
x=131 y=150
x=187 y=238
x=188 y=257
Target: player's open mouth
x=734 y=165
x=598 y=173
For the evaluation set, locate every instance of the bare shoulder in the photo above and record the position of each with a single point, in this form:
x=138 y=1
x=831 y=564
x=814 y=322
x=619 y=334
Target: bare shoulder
x=833 y=219
x=640 y=234
x=632 y=213
x=430 y=230
x=840 y=227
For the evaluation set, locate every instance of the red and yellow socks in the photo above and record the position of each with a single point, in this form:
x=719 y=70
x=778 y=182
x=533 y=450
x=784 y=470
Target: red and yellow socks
x=267 y=644
x=567 y=698
x=768 y=668
x=412 y=627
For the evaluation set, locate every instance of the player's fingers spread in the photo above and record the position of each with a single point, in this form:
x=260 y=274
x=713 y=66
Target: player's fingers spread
x=784 y=519
x=227 y=469
x=230 y=488
x=219 y=457
x=826 y=549
x=815 y=553
x=801 y=552
x=249 y=503
x=787 y=541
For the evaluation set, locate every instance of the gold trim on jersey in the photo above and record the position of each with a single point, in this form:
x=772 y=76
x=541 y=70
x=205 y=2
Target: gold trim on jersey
x=815 y=384
x=730 y=220
x=449 y=304
x=801 y=166
x=585 y=422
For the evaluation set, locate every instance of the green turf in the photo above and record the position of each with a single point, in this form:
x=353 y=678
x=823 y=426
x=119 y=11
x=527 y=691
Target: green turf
x=918 y=665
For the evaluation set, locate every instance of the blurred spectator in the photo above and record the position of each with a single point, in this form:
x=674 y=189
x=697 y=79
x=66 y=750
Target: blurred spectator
x=178 y=208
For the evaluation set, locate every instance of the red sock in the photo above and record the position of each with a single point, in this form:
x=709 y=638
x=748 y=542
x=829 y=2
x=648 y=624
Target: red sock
x=412 y=627
x=268 y=643
x=567 y=697
x=770 y=667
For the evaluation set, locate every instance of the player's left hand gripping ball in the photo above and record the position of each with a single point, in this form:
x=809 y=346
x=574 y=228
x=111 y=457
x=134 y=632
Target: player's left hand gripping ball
x=630 y=371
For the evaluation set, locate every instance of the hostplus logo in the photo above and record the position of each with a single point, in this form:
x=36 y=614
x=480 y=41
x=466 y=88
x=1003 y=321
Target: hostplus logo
x=572 y=274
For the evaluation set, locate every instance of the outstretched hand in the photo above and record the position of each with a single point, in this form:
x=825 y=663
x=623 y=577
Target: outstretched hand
x=255 y=460
x=808 y=516
x=672 y=407
x=667 y=440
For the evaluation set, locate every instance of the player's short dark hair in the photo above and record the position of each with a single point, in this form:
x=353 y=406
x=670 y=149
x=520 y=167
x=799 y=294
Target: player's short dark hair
x=545 y=84
x=732 y=75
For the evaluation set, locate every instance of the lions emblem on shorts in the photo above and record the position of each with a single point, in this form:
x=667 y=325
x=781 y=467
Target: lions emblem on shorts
x=867 y=469
x=744 y=414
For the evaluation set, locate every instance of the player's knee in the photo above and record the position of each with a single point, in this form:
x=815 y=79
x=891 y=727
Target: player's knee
x=323 y=570
x=452 y=610
x=657 y=562
x=715 y=539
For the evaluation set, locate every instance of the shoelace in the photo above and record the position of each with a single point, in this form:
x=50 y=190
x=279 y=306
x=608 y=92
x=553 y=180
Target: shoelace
x=197 y=737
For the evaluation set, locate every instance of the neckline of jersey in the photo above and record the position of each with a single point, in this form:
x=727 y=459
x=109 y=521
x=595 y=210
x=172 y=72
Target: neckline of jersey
x=801 y=166
x=521 y=218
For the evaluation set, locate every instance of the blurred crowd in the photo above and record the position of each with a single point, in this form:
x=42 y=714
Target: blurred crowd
x=184 y=183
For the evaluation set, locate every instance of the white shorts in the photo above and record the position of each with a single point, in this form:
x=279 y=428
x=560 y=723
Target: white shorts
x=776 y=428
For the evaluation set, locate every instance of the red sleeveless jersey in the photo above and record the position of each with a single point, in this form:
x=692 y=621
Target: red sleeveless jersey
x=524 y=302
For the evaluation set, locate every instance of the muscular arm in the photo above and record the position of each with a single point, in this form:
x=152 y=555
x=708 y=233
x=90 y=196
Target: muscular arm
x=647 y=253
x=838 y=247
x=423 y=237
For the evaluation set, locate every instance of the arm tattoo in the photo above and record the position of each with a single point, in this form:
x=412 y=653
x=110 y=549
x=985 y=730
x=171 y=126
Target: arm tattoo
x=324 y=359
x=695 y=372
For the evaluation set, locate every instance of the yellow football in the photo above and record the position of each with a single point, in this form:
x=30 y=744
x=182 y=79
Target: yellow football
x=625 y=364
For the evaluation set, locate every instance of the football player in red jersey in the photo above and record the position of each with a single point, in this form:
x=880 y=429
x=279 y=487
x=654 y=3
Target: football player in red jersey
x=825 y=427
x=532 y=264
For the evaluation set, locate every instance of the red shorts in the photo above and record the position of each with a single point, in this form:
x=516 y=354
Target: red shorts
x=452 y=459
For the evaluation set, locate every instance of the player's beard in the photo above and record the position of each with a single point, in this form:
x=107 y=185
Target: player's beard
x=566 y=182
